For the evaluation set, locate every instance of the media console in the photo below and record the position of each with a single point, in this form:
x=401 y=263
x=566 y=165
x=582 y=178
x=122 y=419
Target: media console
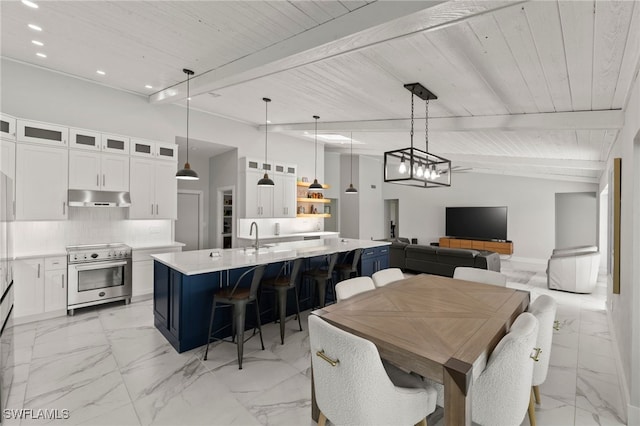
x=502 y=247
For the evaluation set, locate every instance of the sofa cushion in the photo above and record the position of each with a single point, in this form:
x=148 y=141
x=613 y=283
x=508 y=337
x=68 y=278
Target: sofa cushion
x=456 y=257
x=426 y=253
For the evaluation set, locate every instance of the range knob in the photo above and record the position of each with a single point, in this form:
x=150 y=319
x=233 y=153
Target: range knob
x=94 y=255
x=75 y=257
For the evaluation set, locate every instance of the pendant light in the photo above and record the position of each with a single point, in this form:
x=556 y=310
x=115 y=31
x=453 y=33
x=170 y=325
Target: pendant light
x=265 y=181
x=186 y=173
x=351 y=189
x=315 y=185
x=413 y=166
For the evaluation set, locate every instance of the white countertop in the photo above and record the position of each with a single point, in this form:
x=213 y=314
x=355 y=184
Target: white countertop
x=144 y=246
x=62 y=251
x=327 y=234
x=200 y=262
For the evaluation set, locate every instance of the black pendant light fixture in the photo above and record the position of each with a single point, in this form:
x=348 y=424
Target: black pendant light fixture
x=413 y=166
x=315 y=185
x=186 y=173
x=266 y=181
x=351 y=189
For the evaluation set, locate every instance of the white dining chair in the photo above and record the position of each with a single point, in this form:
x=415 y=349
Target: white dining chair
x=349 y=288
x=478 y=275
x=544 y=309
x=387 y=276
x=352 y=386
x=500 y=394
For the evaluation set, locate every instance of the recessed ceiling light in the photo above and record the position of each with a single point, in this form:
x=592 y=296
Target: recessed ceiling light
x=42 y=55
x=37 y=43
x=30 y=4
x=148 y=86
x=35 y=27
x=101 y=72
x=268 y=121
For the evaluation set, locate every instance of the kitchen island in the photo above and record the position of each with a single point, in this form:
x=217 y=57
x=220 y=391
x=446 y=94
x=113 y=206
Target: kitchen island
x=184 y=282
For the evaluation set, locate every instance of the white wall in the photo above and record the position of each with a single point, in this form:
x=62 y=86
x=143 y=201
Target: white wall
x=372 y=225
x=349 y=204
x=332 y=175
x=530 y=203
x=576 y=214
x=624 y=308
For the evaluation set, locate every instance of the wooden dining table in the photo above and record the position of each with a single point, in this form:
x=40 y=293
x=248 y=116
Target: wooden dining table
x=441 y=328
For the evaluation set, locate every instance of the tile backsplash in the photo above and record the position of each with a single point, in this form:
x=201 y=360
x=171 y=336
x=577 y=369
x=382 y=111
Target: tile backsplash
x=89 y=225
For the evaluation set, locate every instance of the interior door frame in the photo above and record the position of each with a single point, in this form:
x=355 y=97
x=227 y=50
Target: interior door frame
x=200 y=195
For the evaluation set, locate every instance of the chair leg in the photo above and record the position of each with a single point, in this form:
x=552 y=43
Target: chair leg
x=532 y=411
x=298 y=307
x=536 y=392
x=322 y=288
x=259 y=323
x=213 y=311
x=239 y=315
x=322 y=419
x=282 y=308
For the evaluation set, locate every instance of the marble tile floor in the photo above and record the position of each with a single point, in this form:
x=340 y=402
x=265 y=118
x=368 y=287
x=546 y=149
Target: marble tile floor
x=110 y=366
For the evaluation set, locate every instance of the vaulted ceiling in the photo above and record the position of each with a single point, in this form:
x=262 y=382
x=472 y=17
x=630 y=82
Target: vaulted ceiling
x=531 y=88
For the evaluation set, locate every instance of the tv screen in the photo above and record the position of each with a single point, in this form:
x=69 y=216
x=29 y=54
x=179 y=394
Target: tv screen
x=483 y=223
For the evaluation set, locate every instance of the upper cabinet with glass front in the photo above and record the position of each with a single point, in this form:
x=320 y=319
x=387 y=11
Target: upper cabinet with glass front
x=152 y=149
x=42 y=133
x=94 y=141
x=7 y=127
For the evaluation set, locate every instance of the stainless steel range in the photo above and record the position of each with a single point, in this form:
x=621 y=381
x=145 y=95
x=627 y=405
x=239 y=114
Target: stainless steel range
x=98 y=274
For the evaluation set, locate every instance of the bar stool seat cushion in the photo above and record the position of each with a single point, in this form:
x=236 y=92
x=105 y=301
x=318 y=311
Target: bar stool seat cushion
x=240 y=293
x=282 y=281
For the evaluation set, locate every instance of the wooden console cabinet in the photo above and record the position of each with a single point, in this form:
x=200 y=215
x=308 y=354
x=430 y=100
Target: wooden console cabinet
x=496 y=246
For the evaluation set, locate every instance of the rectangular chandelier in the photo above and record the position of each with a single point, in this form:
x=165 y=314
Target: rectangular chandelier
x=413 y=166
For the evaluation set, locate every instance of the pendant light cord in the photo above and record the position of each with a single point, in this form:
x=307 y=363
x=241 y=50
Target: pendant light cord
x=188 y=75
x=351 y=157
x=315 y=157
x=426 y=126
x=266 y=123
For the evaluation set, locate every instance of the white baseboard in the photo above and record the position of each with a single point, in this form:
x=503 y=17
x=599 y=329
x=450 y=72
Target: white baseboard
x=631 y=411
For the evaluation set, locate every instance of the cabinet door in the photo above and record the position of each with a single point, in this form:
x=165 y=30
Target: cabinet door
x=166 y=190
x=115 y=172
x=383 y=257
x=166 y=151
x=7 y=127
x=265 y=200
x=84 y=139
x=141 y=148
x=48 y=134
x=251 y=206
x=161 y=278
x=142 y=189
x=115 y=144
x=8 y=158
x=368 y=262
x=29 y=287
x=142 y=277
x=84 y=170
x=175 y=300
x=41 y=183
x=289 y=195
x=55 y=290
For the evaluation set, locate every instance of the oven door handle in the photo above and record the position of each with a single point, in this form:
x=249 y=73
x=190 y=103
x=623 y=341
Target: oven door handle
x=100 y=265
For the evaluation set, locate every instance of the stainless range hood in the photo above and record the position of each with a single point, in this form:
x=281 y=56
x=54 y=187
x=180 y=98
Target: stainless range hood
x=88 y=198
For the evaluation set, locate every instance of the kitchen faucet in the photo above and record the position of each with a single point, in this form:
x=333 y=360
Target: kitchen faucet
x=256 y=245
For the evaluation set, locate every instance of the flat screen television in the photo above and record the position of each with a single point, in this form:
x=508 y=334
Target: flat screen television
x=481 y=223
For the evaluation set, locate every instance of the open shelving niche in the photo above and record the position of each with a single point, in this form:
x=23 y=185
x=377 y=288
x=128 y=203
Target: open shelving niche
x=302 y=200
x=227 y=219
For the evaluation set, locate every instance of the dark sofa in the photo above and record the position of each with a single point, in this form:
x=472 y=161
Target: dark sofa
x=439 y=260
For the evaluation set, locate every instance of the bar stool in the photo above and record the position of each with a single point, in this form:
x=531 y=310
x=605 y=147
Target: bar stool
x=347 y=269
x=238 y=298
x=321 y=277
x=281 y=285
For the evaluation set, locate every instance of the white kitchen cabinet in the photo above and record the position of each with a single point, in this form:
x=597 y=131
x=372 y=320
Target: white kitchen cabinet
x=42 y=133
x=96 y=170
x=7 y=127
x=41 y=182
x=115 y=144
x=152 y=149
x=142 y=270
x=154 y=189
x=258 y=199
x=8 y=158
x=28 y=276
x=284 y=192
x=55 y=284
x=84 y=139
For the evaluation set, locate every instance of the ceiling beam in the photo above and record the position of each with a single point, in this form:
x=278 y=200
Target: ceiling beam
x=375 y=23
x=576 y=120
x=469 y=160
x=547 y=176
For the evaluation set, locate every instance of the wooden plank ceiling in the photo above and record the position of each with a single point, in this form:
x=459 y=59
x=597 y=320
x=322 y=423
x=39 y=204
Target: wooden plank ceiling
x=345 y=62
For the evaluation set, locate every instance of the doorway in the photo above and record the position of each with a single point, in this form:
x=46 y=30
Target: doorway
x=189 y=229
x=391 y=218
